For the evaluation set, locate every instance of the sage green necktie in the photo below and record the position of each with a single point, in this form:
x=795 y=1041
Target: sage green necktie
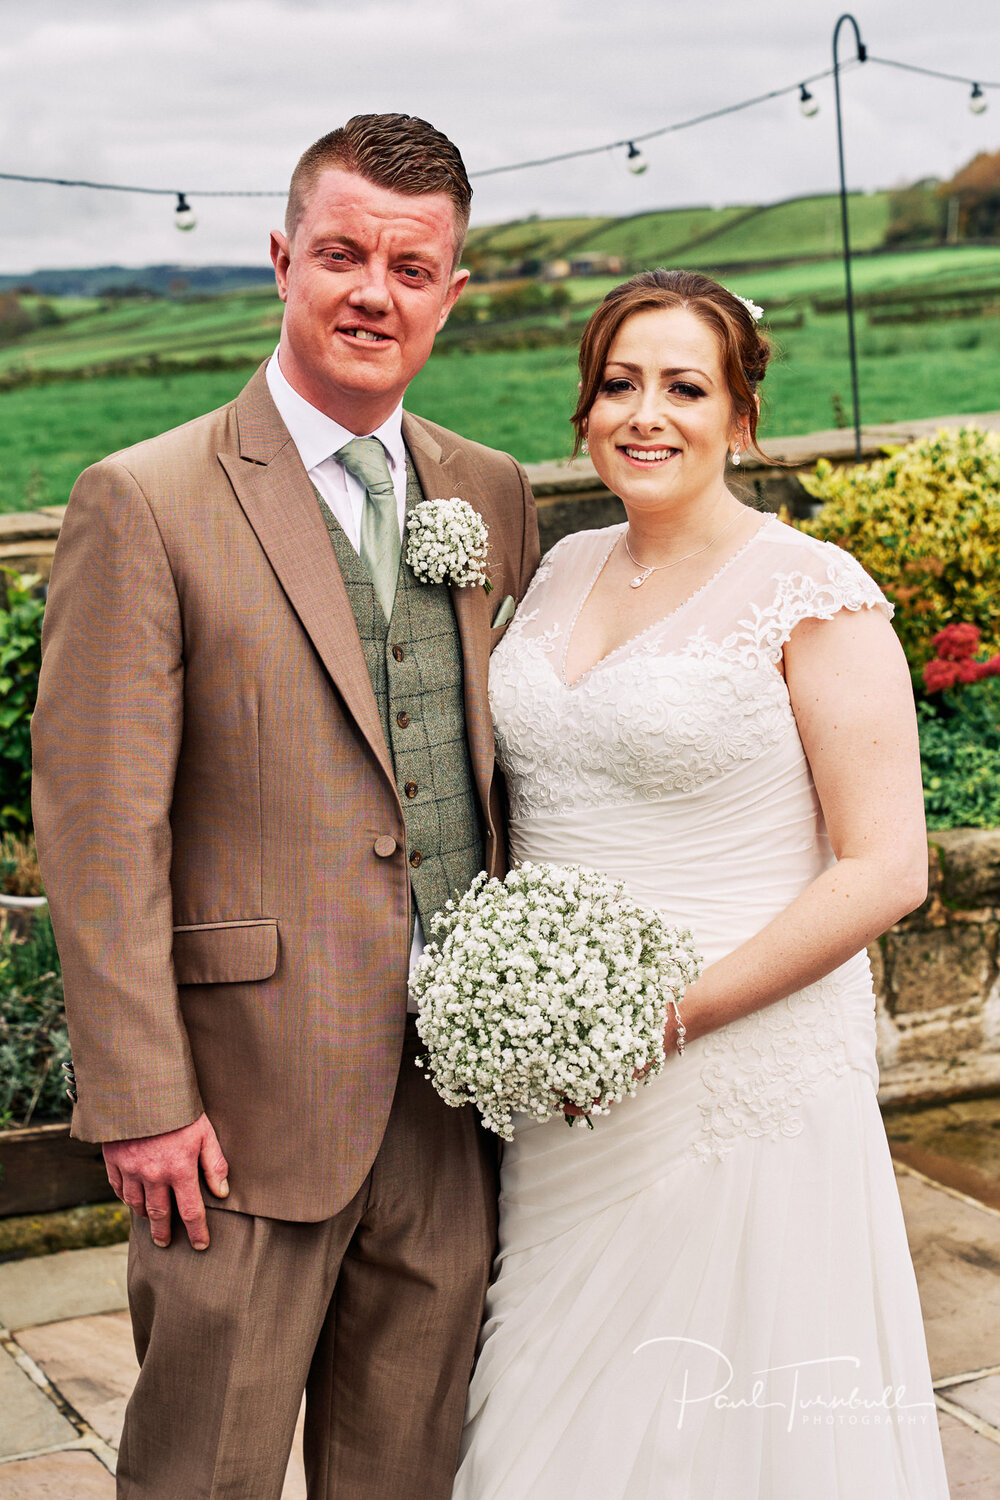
x=380 y=539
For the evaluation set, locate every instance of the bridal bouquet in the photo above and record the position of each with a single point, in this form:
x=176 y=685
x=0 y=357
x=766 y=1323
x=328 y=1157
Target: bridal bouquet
x=549 y=987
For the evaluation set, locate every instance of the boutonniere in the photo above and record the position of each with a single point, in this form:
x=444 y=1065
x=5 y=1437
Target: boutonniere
x=446 y=543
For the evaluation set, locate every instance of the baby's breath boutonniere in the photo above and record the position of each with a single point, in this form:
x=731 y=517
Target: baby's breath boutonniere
x=446 y=543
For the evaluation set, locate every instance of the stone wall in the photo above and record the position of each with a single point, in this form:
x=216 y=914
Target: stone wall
x=937 y=977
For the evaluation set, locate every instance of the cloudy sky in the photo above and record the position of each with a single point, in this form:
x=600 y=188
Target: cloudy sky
x=208 y=94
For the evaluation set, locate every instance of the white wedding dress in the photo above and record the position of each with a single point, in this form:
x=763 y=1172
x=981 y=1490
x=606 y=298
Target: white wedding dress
x=709 y=1296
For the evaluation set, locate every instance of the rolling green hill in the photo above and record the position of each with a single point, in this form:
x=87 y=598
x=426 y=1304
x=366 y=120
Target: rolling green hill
x=800 y=228
x=653 y=237
x=793 y=229
x=235 y=325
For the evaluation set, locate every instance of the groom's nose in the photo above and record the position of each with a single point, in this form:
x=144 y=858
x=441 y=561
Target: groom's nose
x=371 y=289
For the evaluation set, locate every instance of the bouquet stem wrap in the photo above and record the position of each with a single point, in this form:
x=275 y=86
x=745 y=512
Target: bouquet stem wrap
x=548 y=988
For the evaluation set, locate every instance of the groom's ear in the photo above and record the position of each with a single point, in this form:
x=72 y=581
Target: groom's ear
x=457 y=284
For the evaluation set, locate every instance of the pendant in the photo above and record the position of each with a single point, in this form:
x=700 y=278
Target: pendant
x=639 y=579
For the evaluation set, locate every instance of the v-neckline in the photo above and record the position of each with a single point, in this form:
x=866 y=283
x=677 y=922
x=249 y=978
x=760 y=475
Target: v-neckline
x=608 y=656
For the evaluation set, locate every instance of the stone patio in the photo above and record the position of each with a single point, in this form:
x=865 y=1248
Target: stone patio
x=67 y=1363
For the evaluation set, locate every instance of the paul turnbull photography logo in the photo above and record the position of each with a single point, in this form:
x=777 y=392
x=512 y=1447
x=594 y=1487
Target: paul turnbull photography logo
x=825 y=1391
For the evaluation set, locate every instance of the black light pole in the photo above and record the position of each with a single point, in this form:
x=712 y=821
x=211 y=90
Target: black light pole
x=862 y=55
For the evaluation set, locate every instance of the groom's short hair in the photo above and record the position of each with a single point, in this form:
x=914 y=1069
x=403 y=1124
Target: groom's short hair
x=399 y=152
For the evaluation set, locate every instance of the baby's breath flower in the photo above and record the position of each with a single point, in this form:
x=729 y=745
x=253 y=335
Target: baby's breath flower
x=514 y=1022
x=446 y=543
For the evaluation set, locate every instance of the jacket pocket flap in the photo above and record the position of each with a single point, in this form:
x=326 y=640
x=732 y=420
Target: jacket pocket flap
x=226 y=952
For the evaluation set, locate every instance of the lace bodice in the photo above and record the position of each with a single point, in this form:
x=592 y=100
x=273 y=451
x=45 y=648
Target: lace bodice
x=675 y=763
x=677 y=704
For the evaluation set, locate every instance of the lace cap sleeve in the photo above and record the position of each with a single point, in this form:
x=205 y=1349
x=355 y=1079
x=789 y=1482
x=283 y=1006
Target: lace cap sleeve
x=815 y=582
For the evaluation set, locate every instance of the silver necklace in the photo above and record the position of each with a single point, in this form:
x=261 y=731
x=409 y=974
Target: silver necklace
x=640 y=578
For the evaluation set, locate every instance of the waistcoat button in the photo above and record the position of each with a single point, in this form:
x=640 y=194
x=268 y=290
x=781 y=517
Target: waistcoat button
x=385 y=845
x=398 y=652
x=403 y=719
x=416 y=859
x=410 y=788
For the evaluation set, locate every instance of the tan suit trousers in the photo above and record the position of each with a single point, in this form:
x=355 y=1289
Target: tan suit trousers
x=374 y=1313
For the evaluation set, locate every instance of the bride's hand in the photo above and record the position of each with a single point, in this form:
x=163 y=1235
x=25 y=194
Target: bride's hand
x=577 y=1109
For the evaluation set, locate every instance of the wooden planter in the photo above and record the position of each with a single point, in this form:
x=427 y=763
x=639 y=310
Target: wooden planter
x=41 y=1169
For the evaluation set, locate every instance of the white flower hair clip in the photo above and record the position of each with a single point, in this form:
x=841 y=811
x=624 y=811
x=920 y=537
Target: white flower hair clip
x=752 y=308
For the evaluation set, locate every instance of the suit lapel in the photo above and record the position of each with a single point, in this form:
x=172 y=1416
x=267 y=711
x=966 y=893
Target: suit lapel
x=438 y=480
x=280 y=504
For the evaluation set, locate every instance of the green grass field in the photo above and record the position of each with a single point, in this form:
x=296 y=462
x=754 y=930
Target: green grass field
x=519 y=400
x=241 y=324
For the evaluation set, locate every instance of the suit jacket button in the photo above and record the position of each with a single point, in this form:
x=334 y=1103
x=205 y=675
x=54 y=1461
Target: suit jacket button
x=416 y=859
x=71 y=1096
x=385 y=845
x=410 y=789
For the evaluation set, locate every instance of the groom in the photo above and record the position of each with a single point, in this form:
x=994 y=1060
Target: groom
x=263 y=760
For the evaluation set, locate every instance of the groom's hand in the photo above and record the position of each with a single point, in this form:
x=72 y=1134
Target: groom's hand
x=145 y=1172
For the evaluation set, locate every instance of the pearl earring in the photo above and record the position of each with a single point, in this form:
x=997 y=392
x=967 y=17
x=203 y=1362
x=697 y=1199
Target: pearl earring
x=585 y=449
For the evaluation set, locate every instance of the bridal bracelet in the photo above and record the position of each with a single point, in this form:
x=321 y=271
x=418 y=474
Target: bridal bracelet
x=680 y=1033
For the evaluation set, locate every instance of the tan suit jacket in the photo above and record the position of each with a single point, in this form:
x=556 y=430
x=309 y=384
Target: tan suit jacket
x=214 y=798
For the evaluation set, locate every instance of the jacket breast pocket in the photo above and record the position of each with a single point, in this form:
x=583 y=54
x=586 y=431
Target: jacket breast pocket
x=226 y=952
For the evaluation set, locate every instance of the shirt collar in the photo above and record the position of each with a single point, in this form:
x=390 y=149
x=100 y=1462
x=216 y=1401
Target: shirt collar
x=318 y=436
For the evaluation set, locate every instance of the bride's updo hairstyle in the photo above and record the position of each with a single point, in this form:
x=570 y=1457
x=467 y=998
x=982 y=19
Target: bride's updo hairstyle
x=744 y=349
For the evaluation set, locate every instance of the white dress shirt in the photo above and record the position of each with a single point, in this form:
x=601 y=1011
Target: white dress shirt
x=317 y=438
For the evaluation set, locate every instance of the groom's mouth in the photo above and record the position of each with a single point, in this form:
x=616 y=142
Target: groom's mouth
x=646 y=457
x=365 y=335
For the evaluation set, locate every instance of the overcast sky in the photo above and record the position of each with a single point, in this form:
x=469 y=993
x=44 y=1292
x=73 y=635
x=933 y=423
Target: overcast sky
x=206 y=94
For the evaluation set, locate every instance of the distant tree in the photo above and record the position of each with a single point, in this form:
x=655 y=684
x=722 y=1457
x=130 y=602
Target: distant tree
x=518 y=300
x=977 y=190
x=917 y=215
x=15 y=319
x=122 y=291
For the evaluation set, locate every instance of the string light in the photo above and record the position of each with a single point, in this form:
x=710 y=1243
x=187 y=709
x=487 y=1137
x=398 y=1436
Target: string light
x=635 y=161
x=184 y=214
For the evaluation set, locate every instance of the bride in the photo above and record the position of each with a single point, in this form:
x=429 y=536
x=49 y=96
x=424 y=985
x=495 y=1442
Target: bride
x=709 y=1296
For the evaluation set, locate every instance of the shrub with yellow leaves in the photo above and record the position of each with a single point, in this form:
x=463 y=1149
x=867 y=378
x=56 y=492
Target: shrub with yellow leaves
x=925 y=522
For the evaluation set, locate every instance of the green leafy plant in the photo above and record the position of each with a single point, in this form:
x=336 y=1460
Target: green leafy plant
x=20 y=661
x=925 y=522
x=33 y=1038
x=960 y=755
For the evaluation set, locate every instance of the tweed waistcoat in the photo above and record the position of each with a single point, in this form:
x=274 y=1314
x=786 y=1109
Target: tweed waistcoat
x=415 y=664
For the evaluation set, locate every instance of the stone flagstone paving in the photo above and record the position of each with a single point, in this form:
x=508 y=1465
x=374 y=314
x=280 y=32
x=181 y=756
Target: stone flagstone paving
x=67 y=1364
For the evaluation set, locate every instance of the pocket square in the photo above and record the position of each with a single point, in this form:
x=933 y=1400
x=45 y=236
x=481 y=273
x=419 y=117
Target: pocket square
x=504 y=613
